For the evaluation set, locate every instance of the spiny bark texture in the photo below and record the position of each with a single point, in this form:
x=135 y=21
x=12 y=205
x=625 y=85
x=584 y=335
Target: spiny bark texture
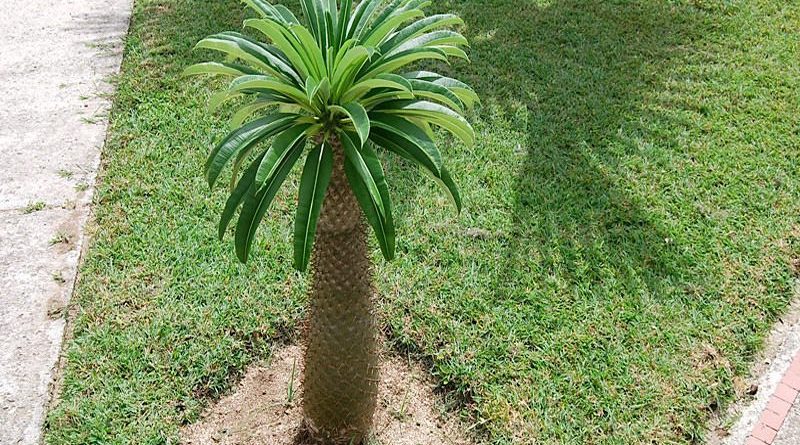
x=340 y=382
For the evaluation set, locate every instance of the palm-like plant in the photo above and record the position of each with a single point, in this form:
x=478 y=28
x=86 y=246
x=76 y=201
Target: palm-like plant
x=334 y=85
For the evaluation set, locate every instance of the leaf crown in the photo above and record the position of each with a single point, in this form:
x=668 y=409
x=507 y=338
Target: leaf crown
x=342 y=75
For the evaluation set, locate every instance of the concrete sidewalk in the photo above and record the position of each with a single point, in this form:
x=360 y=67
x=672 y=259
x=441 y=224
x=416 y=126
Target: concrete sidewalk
x=56 y=58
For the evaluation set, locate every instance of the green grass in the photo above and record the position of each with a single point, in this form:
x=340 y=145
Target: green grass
x=635 y=187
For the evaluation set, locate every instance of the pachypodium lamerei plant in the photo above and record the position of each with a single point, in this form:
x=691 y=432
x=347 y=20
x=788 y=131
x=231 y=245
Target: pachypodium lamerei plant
x=335 y=91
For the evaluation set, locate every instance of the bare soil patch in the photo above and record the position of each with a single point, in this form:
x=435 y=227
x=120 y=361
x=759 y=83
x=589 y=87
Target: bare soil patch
x=265 y=409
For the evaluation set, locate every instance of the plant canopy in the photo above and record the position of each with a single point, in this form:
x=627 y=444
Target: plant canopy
x=344 y=76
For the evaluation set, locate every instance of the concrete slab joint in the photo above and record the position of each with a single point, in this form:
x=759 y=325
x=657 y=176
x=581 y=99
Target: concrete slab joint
x=55 y=62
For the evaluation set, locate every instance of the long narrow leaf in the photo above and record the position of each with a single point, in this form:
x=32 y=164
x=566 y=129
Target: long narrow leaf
x=418 y=28
x=434 y=113
x=313 y=184
x=352 y=154
x=358 y=116
x=282 y=144
x=381 y=221
x=237 y=195
x=258 y=200
x=227 y=69
x=411 y=138
x=241 y=139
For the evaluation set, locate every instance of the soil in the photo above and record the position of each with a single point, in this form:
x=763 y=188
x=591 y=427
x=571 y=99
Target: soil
x=265 y=409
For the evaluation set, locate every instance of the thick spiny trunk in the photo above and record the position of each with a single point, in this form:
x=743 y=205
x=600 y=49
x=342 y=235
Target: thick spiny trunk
x=340 y=381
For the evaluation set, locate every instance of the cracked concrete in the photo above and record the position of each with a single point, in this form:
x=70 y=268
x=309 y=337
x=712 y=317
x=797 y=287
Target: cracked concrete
x=56 y=59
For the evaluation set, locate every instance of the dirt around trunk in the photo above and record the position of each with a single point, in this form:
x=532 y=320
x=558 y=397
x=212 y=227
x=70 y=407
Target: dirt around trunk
x=265 y=409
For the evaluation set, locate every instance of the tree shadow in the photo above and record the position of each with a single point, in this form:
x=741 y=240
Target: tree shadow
x=583 y=261
x=582 y=71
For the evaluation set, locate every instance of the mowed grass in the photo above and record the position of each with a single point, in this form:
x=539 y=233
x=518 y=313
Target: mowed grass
x=631 y=230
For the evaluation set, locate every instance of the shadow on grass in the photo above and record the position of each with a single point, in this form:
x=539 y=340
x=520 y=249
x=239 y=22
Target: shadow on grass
x=585 y=268
x=583 y=71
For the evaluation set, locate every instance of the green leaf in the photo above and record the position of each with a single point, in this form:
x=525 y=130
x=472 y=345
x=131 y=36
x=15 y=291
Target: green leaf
x=311 y=17
x=269 y=85
x=360 y=89
x=418 y=28
x=312 y=52
x=267 y=10
x=435 y=38
x=430 y=90
x=358 y=115
x=287 y=15
x=247 y=110
x=452 y=51
x=311 y=87
x=382 y=222
x=242 y=139
x=282 y=144
x=460 y=89
x=352 y=153
x=393 y=131
x=348 y=66
x=313 y=184
x=237 y=195
x=258 y=200
x=446 y=183
x=396 y=79
x=409 y=150
x=388 y=64
x=434 y=113
x=361 y=17
x=242 y=47
x=392 y=9
x=286 y=42
x=373 y=101
x=378 y=34
x=344 y=14
x=227 y=69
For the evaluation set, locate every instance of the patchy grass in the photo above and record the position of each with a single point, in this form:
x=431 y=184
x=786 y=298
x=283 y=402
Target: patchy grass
x=630 y=228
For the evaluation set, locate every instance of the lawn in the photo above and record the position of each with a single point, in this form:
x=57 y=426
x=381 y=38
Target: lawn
x=630 y=227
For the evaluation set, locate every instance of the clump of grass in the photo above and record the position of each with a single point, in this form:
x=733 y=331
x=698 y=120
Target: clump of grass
x=58 y=277
x=59 y=238
x=34 y=207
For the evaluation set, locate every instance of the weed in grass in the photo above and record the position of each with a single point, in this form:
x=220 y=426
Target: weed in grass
x=58 y=277
x=401 y=413
x=34 y=207
x=290 y=391
x=59 y=238
x=66 y=174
